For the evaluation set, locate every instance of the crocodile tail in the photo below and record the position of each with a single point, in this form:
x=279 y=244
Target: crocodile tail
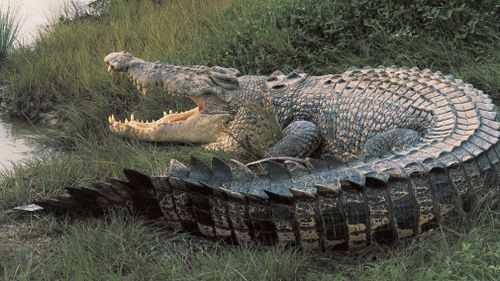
x=315 y=204
x=323 y=207
x=135 y=196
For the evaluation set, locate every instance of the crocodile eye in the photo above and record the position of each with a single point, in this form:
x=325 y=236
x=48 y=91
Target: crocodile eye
x=279 y=86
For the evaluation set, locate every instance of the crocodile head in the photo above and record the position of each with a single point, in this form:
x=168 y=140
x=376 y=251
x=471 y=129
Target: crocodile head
x=212 y=89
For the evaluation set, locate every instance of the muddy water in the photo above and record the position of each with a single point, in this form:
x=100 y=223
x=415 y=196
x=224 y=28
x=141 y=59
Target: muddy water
x=33 y=15
x=14 y=143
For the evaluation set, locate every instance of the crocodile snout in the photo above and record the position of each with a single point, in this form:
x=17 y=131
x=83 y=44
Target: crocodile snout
x=118 y=61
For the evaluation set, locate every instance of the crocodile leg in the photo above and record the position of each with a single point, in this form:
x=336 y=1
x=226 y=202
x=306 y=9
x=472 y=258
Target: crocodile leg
x=301 y=138
x=390 y=140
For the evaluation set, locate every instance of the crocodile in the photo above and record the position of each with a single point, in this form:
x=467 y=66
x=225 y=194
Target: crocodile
x=396 y=152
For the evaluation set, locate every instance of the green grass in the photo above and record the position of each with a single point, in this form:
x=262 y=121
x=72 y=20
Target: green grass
x=9 y=30
x=65 y=76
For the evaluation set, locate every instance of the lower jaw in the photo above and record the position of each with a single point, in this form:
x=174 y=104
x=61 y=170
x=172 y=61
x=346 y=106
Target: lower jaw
x=198 y=129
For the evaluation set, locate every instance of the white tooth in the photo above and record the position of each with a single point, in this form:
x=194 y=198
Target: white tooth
x=170 y=111
x=113 y=118
x=139 y=87
x=110 y=69
x=165 y=113
x=144 y=91
x=132 y=117
x=126 y=121
x=109 y=120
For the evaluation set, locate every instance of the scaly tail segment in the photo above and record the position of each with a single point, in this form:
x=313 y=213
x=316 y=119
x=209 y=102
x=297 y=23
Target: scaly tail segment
x=135 y=196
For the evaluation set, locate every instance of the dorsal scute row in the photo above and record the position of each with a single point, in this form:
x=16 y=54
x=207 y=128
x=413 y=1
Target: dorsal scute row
x=462 y=115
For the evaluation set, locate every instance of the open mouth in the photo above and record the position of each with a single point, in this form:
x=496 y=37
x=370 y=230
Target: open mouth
x=200 y=125
x=167 y=119
x=189 y=126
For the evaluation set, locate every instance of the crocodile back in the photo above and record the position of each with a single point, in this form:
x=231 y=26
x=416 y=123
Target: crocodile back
x=353 y=106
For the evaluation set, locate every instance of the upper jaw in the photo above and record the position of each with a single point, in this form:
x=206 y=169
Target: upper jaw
x=118 y=61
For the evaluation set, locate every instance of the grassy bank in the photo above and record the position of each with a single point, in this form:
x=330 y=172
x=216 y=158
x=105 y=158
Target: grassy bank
x=64 y=77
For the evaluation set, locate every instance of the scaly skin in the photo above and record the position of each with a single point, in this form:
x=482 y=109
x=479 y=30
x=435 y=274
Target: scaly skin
x=436 y=143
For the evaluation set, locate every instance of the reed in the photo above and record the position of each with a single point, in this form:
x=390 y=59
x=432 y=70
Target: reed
x=9 y=30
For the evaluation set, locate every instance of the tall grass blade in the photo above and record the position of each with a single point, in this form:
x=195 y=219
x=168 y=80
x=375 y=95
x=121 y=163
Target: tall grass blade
x=9 y=30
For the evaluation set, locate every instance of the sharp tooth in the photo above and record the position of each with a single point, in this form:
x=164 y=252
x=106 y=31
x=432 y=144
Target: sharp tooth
x=139 y=87
x=145 y=91
x=126 y=121
x=170 y=111
x=110 y=121
x=165 y=113
x=113 y=118
x=110 y=69
x=132 y=117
